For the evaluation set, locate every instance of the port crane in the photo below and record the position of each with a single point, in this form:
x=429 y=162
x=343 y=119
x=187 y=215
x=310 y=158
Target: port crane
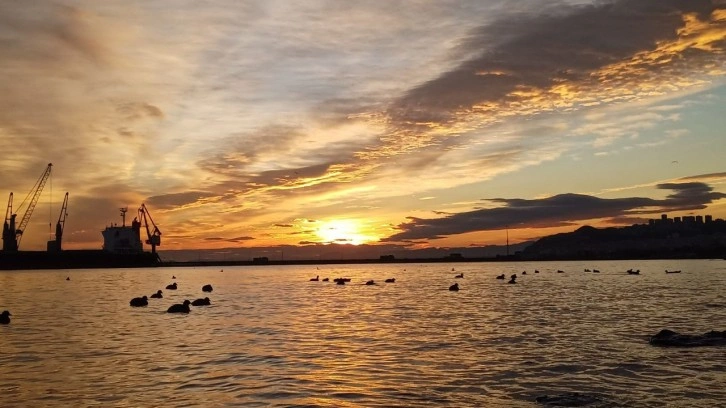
x=12 y=234
x=55 y=245
x=153 y=236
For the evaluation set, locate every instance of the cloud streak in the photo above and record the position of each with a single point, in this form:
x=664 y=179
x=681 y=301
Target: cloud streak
x=535 y=62
x=559 y=210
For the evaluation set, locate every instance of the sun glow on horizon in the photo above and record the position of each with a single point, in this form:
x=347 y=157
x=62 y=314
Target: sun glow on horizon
x=343 y=232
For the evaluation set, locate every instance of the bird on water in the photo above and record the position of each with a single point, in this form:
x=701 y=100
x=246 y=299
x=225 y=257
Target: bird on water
x=202 y=302
x=207 y=288
x=5 y=317
x=179 y=308
x=139 y=301
x=171 y=287
x=157 y=295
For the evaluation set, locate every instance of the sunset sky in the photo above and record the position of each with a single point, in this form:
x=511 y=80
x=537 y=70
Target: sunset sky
x=418 y=123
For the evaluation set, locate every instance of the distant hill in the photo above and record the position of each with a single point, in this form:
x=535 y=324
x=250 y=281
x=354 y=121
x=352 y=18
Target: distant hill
x=661 y=239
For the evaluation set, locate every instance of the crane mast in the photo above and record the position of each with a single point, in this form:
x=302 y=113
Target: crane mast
x=153 y=237
x=9 y=242
x=55 y=245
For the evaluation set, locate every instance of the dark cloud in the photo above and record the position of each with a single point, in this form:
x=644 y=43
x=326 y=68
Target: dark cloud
x=559 y=210
x=240 y=239
x=306 y=232
x=284 y=225
x=689 y=196
x=221 y=239
x=546 y=47
x=174 y=200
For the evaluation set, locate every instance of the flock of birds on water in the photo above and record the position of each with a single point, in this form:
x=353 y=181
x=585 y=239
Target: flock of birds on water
x=184 y=306
x=371 y=282
x=175 y=308
x=455 y=286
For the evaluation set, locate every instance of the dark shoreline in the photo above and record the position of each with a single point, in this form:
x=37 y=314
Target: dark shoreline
x=401 y=261
x=96 y=259
x=75 y=259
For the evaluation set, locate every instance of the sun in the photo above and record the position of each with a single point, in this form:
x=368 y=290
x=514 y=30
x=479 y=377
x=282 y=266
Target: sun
x=343 y=232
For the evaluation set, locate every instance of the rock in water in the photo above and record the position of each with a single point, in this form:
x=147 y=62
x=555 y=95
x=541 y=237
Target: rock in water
x=669 y=338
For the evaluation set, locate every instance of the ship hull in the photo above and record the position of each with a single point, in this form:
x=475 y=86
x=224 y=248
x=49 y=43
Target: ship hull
x=75 y=259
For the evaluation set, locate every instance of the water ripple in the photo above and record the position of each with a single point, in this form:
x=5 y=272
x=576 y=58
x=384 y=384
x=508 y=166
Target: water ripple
x=272 y=338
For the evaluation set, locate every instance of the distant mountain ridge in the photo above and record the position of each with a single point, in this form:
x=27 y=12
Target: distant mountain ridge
x=657 y=240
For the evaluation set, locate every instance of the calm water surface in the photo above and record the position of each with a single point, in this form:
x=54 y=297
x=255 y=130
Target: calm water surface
x=272 y=338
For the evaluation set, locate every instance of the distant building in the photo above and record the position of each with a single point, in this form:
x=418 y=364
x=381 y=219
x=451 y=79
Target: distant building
x=686 y=219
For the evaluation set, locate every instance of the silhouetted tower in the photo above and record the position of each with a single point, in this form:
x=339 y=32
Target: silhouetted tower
x=123 y=210
x=55 y=245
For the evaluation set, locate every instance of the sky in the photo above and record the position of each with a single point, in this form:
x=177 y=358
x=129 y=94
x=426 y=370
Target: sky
x=408 y=123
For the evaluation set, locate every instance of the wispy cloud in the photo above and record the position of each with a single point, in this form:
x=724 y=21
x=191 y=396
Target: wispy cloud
x=231 y=116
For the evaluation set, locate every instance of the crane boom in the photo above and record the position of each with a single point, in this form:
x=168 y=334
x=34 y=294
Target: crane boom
x=153 y=237
x=37 y=189
x=9 y=241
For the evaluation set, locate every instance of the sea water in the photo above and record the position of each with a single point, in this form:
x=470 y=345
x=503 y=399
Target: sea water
x=271 y=337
